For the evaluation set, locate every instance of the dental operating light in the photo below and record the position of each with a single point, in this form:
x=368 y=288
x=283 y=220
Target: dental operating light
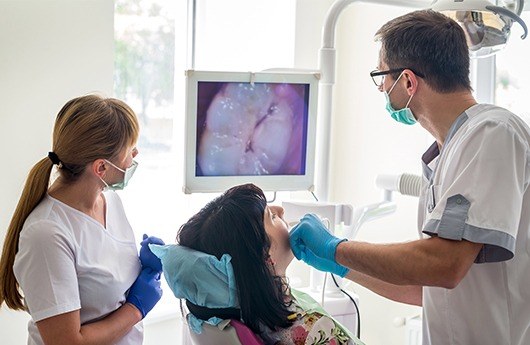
x=487 y=26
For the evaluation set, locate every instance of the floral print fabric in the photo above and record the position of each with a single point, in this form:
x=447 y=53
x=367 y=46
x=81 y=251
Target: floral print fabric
x=314 y=329
x=309 y=328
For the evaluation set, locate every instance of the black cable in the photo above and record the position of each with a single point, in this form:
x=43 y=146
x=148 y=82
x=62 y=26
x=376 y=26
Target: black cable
x=347 y=294
x=354 y=304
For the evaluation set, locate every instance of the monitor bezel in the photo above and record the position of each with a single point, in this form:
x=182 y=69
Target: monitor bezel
x=207 y=184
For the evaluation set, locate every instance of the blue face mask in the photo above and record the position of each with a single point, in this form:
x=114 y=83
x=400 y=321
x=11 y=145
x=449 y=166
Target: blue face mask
x=127 y=174
x=404 y=115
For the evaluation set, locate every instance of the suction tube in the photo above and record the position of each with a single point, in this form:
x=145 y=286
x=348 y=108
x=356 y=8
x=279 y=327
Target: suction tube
x=406 y=184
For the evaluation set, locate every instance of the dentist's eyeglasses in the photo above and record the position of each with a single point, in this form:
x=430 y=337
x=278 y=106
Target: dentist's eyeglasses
x=378 y=76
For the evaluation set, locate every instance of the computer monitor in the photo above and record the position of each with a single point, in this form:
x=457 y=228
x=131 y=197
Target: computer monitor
x=244 y=127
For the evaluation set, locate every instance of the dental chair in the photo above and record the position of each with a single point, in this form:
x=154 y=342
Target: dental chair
x=228 y=332
x=208 y=286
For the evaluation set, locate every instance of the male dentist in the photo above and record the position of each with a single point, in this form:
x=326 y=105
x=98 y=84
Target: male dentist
x=471 y=269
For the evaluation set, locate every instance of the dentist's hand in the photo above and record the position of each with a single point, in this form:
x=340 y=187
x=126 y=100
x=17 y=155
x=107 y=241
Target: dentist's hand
x=310 y=233
x=322 y=264
x=145 y=293
x=147 y=258
x=311 y=242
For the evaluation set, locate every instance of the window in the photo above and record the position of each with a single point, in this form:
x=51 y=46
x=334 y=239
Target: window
x=151 y=39
x=243 y=35
x=150 y=59
x=146 y=34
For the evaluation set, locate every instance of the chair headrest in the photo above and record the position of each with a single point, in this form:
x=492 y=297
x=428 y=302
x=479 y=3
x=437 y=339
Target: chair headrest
x=198 y=277
x=205 y=314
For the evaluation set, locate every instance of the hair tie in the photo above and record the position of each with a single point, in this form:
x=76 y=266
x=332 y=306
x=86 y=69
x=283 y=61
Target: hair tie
x=54 y=158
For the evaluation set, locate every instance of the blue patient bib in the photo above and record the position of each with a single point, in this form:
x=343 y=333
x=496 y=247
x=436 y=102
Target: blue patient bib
x=199 y=278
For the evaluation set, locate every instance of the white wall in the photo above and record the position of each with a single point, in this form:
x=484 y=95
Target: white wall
x=51 y=51
x=365 y=142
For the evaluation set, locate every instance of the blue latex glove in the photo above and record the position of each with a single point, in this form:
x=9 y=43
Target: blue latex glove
x=310 y=234
x=147 y=258
x=146 y=291
x=322 y=264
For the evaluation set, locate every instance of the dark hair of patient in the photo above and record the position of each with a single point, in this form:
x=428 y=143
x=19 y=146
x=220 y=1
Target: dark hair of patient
x=233 y=224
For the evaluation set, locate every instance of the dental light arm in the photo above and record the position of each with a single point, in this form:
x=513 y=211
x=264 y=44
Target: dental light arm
x=326 y=66
x=405 y=184
x=345 y=215
x=368 y=213
x=487 y=26
x=506 y=12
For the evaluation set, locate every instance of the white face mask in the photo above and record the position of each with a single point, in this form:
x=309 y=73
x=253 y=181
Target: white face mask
x=127 y=174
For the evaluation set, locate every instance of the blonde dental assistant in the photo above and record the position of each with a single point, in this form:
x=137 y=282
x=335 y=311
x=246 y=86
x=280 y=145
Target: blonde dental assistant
x=471 y=269
x=69 y=247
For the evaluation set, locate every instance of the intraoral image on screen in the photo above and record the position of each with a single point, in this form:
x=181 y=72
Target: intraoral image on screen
x=246 y=129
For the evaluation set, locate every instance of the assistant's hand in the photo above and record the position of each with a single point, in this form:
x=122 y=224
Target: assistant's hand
x=146 y=291
x=311 y=234
x=147 y=258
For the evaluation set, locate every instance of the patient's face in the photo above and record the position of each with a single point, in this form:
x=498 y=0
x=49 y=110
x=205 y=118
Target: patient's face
x=278 y=232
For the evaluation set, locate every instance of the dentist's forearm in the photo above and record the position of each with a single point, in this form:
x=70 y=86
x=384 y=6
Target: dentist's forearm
x=409 y=294
x=430 y=262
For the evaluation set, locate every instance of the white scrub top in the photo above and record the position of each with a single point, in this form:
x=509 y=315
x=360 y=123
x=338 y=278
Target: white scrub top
x=68 y=261
x=476 y=190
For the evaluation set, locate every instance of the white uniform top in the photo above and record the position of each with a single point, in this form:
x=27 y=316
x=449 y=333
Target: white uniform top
x=477 y=191
x=68 y=261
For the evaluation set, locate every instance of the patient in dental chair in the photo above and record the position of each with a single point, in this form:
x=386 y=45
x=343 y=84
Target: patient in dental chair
x=245 y=245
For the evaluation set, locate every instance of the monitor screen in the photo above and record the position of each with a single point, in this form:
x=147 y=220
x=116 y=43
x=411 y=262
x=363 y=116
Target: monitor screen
x=250 y=127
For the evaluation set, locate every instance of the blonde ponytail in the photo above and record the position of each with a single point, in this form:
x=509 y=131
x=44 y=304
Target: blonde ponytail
x=34 y=190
